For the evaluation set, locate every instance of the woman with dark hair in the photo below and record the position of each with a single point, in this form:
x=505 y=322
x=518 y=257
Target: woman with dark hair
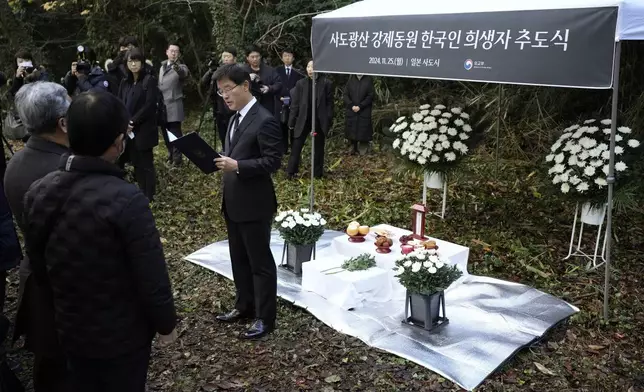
x=139 y=93
x=302 y=114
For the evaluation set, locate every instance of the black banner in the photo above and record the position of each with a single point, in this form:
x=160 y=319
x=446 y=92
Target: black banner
x=564 y=47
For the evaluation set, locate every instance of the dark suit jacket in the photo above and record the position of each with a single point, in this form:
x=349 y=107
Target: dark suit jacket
x=257 y=147
x=267 y=77
x=288 y=83
x=301 y=100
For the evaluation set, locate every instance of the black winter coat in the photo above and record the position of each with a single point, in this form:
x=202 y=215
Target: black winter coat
x=10 y=252
x=141 y=98
x=359 y=92
x=269 y=77
x=92 y=238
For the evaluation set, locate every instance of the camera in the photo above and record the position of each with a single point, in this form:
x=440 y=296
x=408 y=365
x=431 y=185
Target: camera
x=84 y=64
x=27 y=66
x=212 y=61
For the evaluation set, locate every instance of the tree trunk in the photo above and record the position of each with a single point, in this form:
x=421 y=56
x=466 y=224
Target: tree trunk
x=226 y=25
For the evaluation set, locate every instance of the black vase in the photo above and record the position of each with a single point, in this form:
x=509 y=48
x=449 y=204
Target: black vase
x=296 y=255
x=424 y=311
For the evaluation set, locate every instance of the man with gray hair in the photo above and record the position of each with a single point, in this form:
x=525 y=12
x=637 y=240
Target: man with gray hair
x=42 y=107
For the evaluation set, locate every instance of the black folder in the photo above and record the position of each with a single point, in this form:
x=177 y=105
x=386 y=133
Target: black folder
x=198 y=151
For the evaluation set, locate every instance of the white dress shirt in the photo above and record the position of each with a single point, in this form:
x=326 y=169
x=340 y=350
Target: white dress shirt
x=242 y=113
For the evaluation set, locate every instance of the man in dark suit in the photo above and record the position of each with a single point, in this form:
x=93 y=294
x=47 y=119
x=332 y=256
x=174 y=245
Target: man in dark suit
x=253 y=152
x=265 y=83
x=42 y=108
x=289 y=76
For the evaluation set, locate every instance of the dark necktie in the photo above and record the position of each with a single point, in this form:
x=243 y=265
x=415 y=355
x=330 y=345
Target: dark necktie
x=288 y=72
x=235 y=125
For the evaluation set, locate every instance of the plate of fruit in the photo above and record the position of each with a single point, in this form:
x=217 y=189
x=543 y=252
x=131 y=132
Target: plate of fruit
x=383 y=244
x=357 y=232
x=405 y=239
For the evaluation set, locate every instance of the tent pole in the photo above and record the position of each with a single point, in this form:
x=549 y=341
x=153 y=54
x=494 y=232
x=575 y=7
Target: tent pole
x=611 y=175
x=498 y=131
x=313 y=107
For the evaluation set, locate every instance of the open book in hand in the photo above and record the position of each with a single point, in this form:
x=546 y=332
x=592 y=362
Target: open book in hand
x=196 y=150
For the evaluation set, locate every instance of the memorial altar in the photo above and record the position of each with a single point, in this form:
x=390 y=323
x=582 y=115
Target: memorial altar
x=490 y=319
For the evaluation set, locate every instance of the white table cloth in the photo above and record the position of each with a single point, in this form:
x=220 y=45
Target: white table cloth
x=345 y=289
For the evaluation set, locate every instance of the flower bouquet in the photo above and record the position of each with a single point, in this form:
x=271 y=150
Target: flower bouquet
x=579 y=159
x=426 y=274
x=300 y=230
x=434 y=138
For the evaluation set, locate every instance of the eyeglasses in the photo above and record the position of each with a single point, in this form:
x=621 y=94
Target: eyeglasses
x=133 y=61
x=221 y=92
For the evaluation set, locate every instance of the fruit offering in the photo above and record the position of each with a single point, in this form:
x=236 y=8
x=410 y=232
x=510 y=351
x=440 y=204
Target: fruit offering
x=384 y=242
x=430 y=245
x=405 y=239
x=357 y=232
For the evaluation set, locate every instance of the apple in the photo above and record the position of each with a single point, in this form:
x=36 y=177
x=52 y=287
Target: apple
x=352 y=230
x=363 y=230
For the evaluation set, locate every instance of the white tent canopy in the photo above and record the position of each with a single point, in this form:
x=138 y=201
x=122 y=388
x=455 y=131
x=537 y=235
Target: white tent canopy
x=630 y=25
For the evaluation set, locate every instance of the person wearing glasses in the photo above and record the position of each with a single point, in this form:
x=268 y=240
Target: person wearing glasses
x=253 y=152
x=139 y=92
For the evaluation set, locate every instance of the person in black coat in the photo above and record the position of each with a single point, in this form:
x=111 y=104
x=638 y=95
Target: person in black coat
x=358 y=101
x=253 y=153
x=265 y=82
x=140 y=93
x=289 y=76
x=10 y=252
x=301 y=116
x=42 y=108
x=92 y=239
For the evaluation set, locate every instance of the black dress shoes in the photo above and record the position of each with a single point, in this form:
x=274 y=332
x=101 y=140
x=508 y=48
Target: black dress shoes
x=257 y=330
x=233 y=316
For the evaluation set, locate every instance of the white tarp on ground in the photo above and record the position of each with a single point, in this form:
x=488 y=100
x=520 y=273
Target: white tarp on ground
x=490 y=319
x=630 y=25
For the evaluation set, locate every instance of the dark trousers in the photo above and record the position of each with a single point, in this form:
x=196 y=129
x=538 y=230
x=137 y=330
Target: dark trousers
x=144 y=171
x=287 y=135
x=127 y=373
x=50 y=374
x=296 y=153
x=174 y=155
x=3 y=289
x=254 y=270
x=222 y=121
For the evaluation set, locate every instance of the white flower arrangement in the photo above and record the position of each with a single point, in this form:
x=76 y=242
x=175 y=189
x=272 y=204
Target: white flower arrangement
x=579 y=158
x=426 y=271
x=433 y=138
x=300 y=227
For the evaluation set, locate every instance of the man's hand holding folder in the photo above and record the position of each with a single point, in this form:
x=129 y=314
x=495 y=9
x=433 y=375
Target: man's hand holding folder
x=201 y=154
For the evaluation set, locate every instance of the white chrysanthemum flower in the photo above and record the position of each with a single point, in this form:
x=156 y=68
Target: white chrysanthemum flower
x=396 y=143
x=412 y=157
x=596 y=163
x=400 y=119
x=407 y=263
x=559 y=168
x=606 y=131
x=424 y=113
x=564 y=177
x=618 y=138
x=450 y=156
x=559 y=158
x=620 y=166
x=590 y=121
x=578 y=134
x=619 y=150
x=443 y=129
x=446 y=144
x=565 y=188
x=435 y=158
x=423 y=137
x=549 y=157
x=447 y=115
x=432 y=270
x=456 y=110
x=589 y=171
x=555 y=147
x=433 y=125
x=556 y=179
x=574 y=148
x=443 y=121
x=572 y=160
x=607 y=121
x=402 y=126
x=574 y=180
x=399 y=270
x=406 y=134
x=442 y=138
x=433 y=137
x=452 y=132
x=583 y=156
x=417 y=117
x=587 y=142
x=582 y=187
x=467 y=128
x=392 y=127
x=624 y=130
x=439 y=264
x=592 y=130
x=438 y=147
x=465 y=115
x=605 y=169
x=403 y=151
x=601 y=182
x=427 y=119
x=595 y=152
x=632 y=143
x=464 y=149
x=458 y=122
x=427 y=151
x=424 y=107
x=463 y=136
x=440 y=107
x=435 y=112
x=421 y=160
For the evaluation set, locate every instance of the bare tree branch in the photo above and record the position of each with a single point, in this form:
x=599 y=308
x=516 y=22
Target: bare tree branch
x=243 y=30
x=282 y=24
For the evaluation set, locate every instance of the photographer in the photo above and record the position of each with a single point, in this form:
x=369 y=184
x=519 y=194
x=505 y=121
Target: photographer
x=117 y=68
x=26 y=72
x=85 y=75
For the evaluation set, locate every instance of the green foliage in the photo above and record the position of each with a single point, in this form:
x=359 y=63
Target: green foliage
x=359 y=263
